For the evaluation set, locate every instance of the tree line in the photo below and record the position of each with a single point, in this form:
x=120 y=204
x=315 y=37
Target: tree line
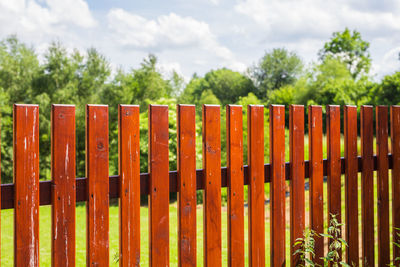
x=341 y=75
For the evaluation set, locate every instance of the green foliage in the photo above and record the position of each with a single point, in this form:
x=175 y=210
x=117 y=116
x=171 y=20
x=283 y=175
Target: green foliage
x=306 y=245
x=222 y=84
x=331 y=83
x=349 y=48
x=388 y=91
x=276 y=69
x=336 y=243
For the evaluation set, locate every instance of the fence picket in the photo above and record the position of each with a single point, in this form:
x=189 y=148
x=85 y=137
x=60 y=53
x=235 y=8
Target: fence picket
x=297 y=191
x=97 y=205
x=367 y=186
x=159 y=186
x=395 y=138
x=277 y=159
x=316 y=179
x=351 y=184
x=334 y=164
x=212 y=185
x=26 y=180
x=129 y=186
x=63 y=185
x=383 y=185
x=234 y=146
x=256 y=199
x=187 y=185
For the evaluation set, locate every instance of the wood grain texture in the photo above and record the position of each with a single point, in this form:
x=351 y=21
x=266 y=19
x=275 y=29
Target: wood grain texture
x=351 y=184
x=367 y=186
x=159 y=186
x=297 y=191
x=234 y=146
x=63 y=187
x=26 y=180
x=97 y=206
x=212 y=185
x=334 y=164
x=395 y=139
x=255 y=142
x=277 y=159
x=316 y=171
x=129 y=185
x=187 y=185
x=383 y=185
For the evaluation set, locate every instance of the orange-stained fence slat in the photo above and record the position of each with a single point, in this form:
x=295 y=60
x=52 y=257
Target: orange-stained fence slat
x=187 y=185
x=315 y=138
x=351 y=184
x=97 y=205
x=26 y=180
x=234 y=147
x=297 y=202
x=383 y=185
x=334 y=163
x=395 y=138
x=212 y=185
x=63 y=185
x=277 y=159
x=159 y=186
x=129 y=185
x=367 y=186
x=255 y=122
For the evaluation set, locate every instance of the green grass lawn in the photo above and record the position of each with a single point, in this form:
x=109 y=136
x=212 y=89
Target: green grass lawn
x=45 y=233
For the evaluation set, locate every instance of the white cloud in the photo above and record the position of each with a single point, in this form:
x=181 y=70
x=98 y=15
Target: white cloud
x=315 y=18
x=33 y=18
x=165 y=32
x=304 y=25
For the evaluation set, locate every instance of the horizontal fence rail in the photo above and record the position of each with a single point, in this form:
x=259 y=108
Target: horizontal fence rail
x=7 y=190
x=27 y=193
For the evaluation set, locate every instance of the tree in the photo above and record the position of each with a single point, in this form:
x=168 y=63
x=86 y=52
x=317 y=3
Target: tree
x=19 y=66
x=388 y=91
x=330 y=83
x=351 y=49
x=277 y=68
x=226 y=85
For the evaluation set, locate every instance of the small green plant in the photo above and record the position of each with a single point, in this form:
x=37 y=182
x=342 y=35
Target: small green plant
x=336 y=243
x=396 y=261
x=306 y=248
x=307 y=242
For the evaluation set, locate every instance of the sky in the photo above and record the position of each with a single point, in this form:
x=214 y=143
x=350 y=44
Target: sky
x=199 y=35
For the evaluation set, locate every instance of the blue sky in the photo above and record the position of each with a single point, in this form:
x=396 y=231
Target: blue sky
x=196 y=36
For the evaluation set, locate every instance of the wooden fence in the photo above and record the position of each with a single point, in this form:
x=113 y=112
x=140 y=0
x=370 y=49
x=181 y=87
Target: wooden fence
x=27 y=193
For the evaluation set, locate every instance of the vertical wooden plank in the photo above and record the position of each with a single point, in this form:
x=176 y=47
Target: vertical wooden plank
x=212 y=185
x=129 y=185
x=97 y=205
x=351 y=184
x=26 y=185
x=234 y=146
x=395 y=138
x=334 y=164
x=186 y=185
x=63 y=185
x=255 y=137
x=316 y=179
x=297 y=191
x=159 y=185
x=383 y=185
x=277 y=159
x=367 y=186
